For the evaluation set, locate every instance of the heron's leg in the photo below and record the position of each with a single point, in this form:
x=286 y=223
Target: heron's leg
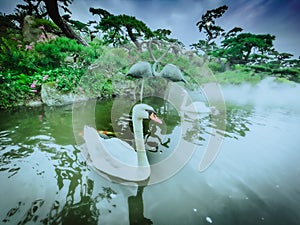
x=142 y=89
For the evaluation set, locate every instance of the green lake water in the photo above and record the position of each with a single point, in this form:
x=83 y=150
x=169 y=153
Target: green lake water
x=255 y=178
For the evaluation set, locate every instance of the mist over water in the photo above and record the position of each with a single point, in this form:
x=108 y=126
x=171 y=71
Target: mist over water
x=267 y=93
x=260 y=168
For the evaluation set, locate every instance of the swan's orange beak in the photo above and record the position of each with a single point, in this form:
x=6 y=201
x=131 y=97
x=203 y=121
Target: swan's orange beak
x=154 y=117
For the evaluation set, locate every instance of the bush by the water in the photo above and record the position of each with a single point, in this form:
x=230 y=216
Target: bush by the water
x=24 y=66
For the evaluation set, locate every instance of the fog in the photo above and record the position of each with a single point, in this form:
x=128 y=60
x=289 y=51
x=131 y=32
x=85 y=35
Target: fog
x=267 y=93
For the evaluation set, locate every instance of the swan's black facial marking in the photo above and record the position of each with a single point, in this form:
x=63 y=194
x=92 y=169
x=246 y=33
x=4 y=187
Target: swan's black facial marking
x=150 y=112
x=153 y=116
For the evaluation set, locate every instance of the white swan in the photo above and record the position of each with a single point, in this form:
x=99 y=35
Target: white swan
x=117 y=158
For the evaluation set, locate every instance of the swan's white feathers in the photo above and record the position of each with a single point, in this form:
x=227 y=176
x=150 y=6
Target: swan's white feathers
x=113 y=156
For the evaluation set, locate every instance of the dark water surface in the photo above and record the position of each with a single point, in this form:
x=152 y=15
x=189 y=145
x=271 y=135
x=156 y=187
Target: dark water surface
x=254 y=180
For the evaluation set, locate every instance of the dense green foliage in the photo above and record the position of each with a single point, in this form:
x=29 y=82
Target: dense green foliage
x=61 y=57
x=123 y=29
x=239 y=49
x=25 y=66
x=255 y=51
x=114 y=27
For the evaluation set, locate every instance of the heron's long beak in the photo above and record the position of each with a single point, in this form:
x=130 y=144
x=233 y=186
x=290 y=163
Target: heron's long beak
x=154 y=117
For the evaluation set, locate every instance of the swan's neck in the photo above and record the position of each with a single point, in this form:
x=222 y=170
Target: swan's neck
x=138 y=134
x=139 y=142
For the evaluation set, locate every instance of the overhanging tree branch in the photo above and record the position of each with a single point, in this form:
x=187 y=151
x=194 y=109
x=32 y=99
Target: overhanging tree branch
x=53 y=12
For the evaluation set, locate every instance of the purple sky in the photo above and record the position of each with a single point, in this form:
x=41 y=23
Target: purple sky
x=277 y=17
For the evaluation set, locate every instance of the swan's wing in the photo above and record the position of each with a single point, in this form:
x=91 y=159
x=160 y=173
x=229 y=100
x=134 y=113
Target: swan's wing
x=113 y=157
x=111 y=150
x=120 y=150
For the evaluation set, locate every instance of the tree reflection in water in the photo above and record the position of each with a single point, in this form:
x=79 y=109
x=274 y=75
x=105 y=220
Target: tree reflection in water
x=77 y=206
x=71 y=211
x=73 y=201
x=238 y=119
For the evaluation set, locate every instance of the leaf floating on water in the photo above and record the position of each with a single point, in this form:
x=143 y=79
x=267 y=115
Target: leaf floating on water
x=208 y=219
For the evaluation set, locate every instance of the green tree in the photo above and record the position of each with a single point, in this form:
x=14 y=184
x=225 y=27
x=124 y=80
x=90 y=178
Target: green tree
x=6 y=23
x=245 y=48
x=32 y=7
x=162 y=34
x=280 y=57
x=83 y=28
x=43 y=8
x=207 y=24
x=53 y=12
x=121 y=28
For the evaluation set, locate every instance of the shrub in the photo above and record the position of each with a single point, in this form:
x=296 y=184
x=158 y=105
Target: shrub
x=52 y=54
x=216 y=67
x=238 y=77
x=261 y=68
x=292 y=74
x=17 y=56
x=65 y=79
x=23 y=67
x=14 y=88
